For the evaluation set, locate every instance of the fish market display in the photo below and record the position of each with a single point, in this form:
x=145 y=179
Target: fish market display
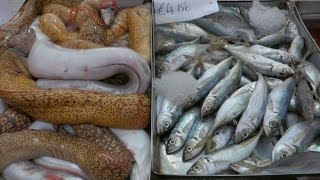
x=70 y=70
x=256 y=87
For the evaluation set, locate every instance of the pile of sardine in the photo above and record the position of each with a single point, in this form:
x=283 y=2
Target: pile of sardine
x=256 y=100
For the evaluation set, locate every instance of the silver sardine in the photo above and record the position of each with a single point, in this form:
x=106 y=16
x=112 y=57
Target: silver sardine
x=180 y=132
x=252 y=116
x=208 y=80
x=296 y=139
x=222 y=90
x=264 y=65
x=199 y=134
x=220 y=160
x=275 y=54
x=168 y=116
x=278 y=102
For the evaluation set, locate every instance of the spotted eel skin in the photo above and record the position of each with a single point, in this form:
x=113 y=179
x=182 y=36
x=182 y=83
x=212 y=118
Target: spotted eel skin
x=12 y=120
x=82 y=107
x=103 y=137
x=97 y=163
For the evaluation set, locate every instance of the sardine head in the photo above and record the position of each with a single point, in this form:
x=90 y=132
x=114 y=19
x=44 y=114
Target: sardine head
x=282 y=151
x=199 y=168
x=271 y=127
x=242 y=134
x=191 y=100
x=174 y=144
x=164 y=124
x=284 y=71
x=206 y=109
x=160 y=69
x=292 y=59
x=190 y=151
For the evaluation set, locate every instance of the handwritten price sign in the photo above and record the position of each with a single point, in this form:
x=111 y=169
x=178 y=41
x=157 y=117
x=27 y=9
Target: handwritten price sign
x=167 y=11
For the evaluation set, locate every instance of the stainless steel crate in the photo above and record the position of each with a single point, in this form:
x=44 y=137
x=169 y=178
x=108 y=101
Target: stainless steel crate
x=159 y=157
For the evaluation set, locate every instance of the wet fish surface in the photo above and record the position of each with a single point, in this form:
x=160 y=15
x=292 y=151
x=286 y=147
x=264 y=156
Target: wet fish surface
x=278 y=102
x=252 y=116
x=199 y=134
x=220 y=160
x=296 y=139
x=180 y=132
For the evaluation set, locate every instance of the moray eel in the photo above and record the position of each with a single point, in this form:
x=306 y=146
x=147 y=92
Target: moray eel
x=94 y=160
x=25 y=16
x=82 y=107
x=12 y=120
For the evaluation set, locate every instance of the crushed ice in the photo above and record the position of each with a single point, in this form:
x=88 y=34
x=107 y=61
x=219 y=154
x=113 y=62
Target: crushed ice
x=175 y=86
x=267 y=20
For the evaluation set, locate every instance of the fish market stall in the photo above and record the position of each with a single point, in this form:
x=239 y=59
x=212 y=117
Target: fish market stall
x=74 y=89
x=235 y=93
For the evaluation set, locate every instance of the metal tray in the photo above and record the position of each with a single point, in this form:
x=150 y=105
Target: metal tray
x=306 y=23
x=311 y=22
x=167 y=166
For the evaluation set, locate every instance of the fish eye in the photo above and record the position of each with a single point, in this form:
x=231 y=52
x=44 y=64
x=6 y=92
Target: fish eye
x=189 y=149
x=190 y=98
x=273 y=124
x=284 y=154
x=283 y=71
x=160 y=69
x=208 y=108
x=245 y=135
x=292 y=60
x=217 y=133
x=308 y=109
x=196 y=167
x=172 y=142
x=166 y=125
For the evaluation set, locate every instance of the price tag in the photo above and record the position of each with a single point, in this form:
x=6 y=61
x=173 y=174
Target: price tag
x=167 y=11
